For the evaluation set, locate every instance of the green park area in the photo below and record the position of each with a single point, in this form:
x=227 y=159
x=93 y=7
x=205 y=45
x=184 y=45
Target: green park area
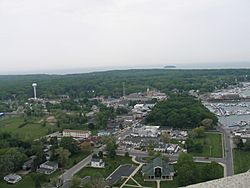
x=211 y=145
x=241 y=161
x=25 y=129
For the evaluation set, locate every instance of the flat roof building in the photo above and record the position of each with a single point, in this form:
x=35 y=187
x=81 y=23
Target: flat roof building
x=76 y=133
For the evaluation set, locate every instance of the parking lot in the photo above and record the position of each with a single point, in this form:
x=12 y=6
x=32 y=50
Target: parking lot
x=124 y=170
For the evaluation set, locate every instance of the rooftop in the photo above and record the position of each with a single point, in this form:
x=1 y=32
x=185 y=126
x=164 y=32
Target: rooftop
x=158 y=162
x=75 y=131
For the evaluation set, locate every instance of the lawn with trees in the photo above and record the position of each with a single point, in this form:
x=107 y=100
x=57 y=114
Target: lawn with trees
x=207 y=145
x=188 y=172
x=25 y=128
x=241 y=155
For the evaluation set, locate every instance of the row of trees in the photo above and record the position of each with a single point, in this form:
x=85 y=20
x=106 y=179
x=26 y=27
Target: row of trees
x=110 y=83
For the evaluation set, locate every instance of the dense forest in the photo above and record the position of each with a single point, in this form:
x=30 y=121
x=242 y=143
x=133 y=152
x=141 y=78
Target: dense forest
x=109 y=83
x=180 y=111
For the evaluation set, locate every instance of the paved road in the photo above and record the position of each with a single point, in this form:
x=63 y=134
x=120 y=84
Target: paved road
x=67 y=176
x=227 y=140
x=72 y=171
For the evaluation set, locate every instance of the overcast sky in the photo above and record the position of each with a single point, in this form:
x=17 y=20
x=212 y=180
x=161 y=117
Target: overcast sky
x=58 y=35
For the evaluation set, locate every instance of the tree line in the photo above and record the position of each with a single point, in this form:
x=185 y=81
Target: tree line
x=109 y=83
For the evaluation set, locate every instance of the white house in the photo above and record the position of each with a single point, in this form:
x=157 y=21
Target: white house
x=97 y=163
x=139 y=106
x=48 y=167
x=161 y=147
x=12 y=178
x=103 y=133
x=76 y=133
x=173 y=148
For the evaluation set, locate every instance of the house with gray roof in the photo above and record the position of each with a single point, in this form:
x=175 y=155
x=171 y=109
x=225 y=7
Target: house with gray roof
x=12 y=178
x=158 y=169
x=48 y=167
x=29 y=164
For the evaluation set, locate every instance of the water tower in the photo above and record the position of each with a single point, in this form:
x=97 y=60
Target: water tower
x=34 y=87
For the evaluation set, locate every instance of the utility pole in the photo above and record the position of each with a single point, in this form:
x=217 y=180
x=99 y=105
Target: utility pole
x=123 y=89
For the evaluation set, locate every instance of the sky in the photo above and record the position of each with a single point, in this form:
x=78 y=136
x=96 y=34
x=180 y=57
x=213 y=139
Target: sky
x=58 y=36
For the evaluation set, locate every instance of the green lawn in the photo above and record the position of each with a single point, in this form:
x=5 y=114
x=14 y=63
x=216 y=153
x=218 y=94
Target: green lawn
x=26 y=182
x=212 y=145
x=218 y=168
x=31 y=131
x=241 y=161
x=110 y=166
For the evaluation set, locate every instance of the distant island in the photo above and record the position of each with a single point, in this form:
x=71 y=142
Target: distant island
x=170 y=67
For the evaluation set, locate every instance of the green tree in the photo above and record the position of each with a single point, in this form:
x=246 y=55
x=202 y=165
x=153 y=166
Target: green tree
x=150 y=148
x=6 y=165
x=210 y=171
x=70 y=144
x=207 y=123
x=75 y=182
x=126 y=154
x=165 y=137
x=187 y=171
x=198 y=132
x=56 y=181
x=238 y=142
x=246 y=146
x=62 y=155
x=111 y=146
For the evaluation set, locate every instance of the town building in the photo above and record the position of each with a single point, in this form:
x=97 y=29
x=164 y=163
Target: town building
x=160 y=147
x=97 y=163
x=12 y=178
x=76 y=133
x=158 y=169
x=103 y=133
x=48 y=167
x=29 y=164
x=145 y=131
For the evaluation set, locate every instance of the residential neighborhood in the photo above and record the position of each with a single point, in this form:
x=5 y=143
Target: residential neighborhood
x=147 y=152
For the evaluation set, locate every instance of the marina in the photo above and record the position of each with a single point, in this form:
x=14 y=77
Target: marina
x=233 y=114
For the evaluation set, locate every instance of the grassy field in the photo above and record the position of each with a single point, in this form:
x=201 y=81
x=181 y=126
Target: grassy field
x=212 y=145
x=26 y=182
x=32 y=130
x=241 y=161
x=110 y=166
